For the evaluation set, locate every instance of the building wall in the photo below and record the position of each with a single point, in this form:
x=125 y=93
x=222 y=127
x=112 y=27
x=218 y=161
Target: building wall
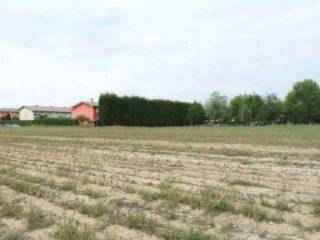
x=3 y=114
x=51 y=115
x=26 y=114
x=85 y=110
x=96 y=113
x=12 y=114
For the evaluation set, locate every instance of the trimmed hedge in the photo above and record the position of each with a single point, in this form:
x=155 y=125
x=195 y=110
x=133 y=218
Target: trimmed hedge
x=137 y=111
x=56 y=122
x=16 y=122
x=43 y=122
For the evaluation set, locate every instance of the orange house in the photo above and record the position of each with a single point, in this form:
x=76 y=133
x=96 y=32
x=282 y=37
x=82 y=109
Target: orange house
x=87 y=110
x=9 y=113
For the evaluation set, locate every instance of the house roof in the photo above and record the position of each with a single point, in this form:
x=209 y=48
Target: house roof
x=9 y=110
x=47 y=109
x=94 y=104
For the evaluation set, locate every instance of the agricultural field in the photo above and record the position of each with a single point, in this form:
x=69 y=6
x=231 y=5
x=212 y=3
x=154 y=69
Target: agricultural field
x=192 y=183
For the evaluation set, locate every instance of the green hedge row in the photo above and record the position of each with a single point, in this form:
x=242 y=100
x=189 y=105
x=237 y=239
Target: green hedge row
x=56 y=122
x=43 y=122
x=16 y=122
x=137 y=111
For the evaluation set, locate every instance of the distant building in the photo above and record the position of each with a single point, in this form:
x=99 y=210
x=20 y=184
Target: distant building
x=9 y=113
x=36 y=112
x=87 y=110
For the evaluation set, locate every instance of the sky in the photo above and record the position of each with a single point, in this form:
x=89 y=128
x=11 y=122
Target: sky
x=60 y=52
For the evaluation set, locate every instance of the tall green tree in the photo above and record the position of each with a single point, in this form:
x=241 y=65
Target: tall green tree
x=216 y=107
x=247 y=109
x=108 y=109
x=236 y=108
x=196 y=114
x=252 y=107
x=272 y=110
x=302 y=104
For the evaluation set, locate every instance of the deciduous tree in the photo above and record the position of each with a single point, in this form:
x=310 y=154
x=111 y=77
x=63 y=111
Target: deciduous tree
x=216 y=107
x=302 y=104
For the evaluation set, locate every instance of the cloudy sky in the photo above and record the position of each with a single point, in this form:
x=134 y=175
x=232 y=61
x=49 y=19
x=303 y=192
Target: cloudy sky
x=58 y=52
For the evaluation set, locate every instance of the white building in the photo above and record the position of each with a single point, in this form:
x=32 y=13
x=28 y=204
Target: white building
x=36 y=112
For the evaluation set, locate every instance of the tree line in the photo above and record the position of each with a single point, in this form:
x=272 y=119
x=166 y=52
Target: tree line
x=300 y=106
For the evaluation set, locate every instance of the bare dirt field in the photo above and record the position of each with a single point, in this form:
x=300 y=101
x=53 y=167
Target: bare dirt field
x=160 y=183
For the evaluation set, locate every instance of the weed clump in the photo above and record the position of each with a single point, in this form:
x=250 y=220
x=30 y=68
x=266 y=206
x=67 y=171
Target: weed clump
x=13 y=236
x=97 y=209
x=36 y=219
x=12 y=209
x=283 y=205
x=141 y=222
x=211 y=200
x=149 y=196
x=316 y=207
x=194 y=233
x=173 y=195
x=72 y=230
x=259 y=214
x=23 y=187
x=69 y=186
